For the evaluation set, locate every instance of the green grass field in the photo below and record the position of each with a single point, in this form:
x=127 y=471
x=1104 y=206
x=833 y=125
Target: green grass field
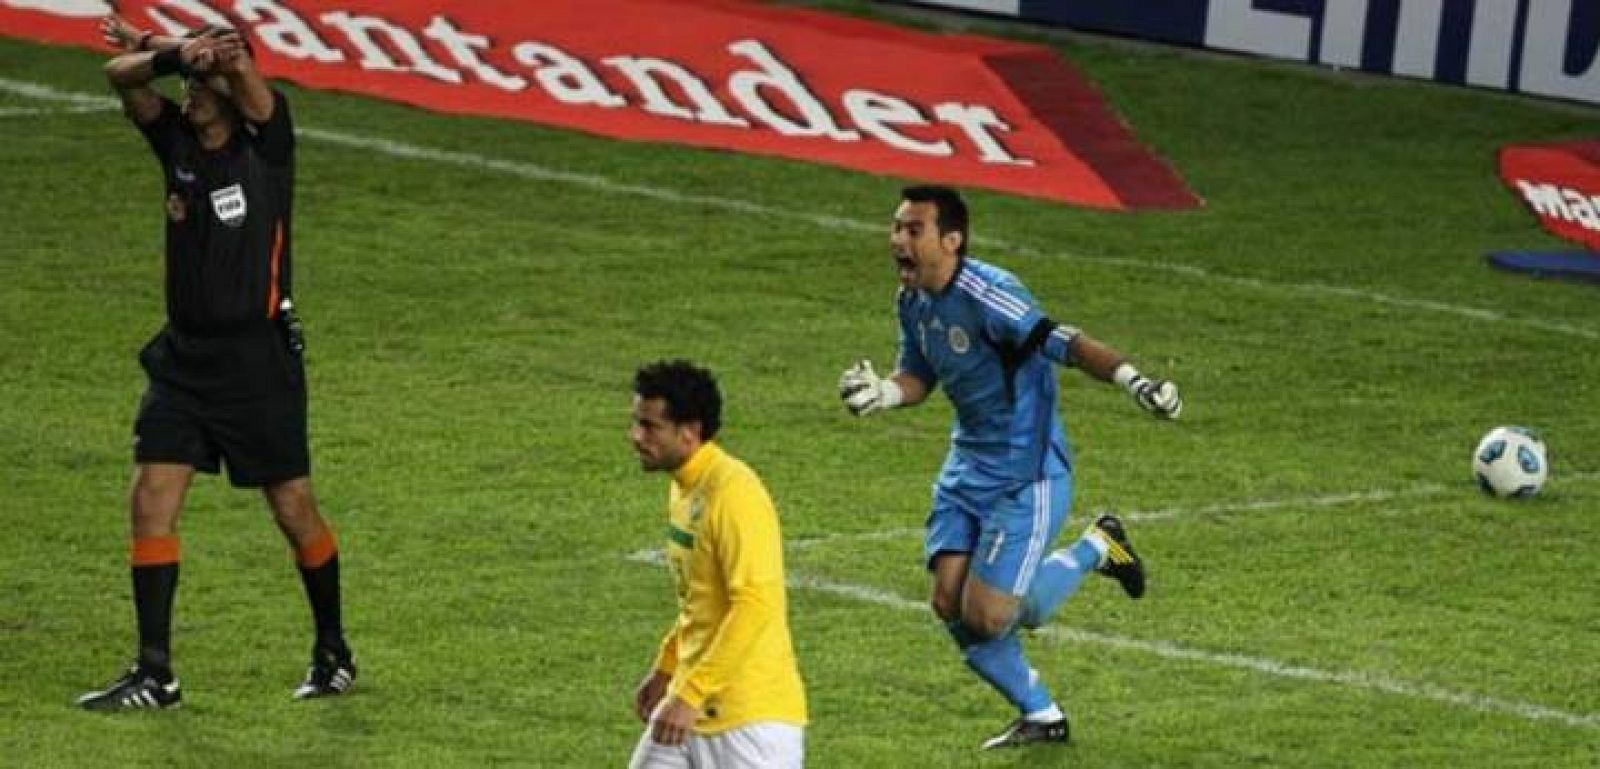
x=1328 y=587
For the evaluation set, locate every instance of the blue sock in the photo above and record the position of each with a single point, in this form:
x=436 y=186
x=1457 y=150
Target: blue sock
x=999 y=661
x=1056 y=580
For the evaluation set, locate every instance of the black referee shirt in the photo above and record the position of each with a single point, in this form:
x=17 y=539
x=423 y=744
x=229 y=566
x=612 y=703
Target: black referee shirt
x=229 y=217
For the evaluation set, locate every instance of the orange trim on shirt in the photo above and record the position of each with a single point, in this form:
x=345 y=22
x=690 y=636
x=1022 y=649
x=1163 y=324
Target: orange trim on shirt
x=277 y=255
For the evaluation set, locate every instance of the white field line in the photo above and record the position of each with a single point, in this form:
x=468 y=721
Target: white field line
x=70 y=102
x=38 y=111
x=1329 y=500
x=1170 y=650
x=603 y=184
x=1221 y=509
x=42 y=92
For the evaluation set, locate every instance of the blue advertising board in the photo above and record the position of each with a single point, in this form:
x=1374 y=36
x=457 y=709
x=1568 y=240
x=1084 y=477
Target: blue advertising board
x=1538 y=47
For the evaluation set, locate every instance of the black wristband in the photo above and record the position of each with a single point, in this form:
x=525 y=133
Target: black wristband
x=169 y=61
x=144 y=41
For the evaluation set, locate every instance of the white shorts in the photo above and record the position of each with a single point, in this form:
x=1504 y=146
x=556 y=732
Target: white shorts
x=761 y=745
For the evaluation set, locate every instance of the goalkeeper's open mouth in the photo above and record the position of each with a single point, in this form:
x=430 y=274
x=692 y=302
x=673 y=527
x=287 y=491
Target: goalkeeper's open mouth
x=905 y=267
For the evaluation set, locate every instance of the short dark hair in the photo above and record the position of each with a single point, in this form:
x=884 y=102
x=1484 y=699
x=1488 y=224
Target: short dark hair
x=952 y=209
x=689 y=391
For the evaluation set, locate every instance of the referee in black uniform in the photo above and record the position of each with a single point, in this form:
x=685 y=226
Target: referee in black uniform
x=226 y=380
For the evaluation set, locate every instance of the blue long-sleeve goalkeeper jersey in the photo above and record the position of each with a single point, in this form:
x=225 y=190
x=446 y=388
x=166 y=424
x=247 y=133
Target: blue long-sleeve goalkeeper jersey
x=984 y=340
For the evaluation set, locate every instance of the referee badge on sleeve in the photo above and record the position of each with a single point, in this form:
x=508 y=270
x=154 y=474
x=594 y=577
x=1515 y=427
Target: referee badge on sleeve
x=229 y=205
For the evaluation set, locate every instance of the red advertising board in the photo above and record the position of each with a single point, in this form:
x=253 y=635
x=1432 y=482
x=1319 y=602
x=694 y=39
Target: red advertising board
x=743 y=76
x=1560 y=184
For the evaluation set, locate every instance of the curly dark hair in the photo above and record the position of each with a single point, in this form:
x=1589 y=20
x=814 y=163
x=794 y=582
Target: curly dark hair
x=689 y=391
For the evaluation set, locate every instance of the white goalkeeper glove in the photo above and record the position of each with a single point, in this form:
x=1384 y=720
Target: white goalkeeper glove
x=864 y=391
x=1157 y=396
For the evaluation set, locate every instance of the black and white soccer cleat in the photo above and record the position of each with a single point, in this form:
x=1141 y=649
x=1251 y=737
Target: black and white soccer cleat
x=1023 y=732
x=330 y=674
x=137 y=689
x=1121 y=562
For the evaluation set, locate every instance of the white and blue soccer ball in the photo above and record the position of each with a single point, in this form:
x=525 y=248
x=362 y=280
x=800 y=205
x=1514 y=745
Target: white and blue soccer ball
x=1510 y=462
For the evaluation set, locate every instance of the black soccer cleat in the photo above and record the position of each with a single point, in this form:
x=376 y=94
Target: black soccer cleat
x=137 y=689
x=1023 y=732
x=331 y=674
x=1121 y=563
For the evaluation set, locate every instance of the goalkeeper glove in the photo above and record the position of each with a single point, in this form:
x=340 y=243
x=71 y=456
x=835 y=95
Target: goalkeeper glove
x=864 y=391
x=1157 y=396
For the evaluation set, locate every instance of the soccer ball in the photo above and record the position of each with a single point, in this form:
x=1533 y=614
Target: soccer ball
x=1510 y=462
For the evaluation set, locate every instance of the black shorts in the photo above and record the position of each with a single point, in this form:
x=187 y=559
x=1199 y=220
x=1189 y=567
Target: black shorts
x=238 y=400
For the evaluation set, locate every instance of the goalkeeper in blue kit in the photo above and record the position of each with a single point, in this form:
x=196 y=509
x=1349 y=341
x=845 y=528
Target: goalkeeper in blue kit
x=1006 y=486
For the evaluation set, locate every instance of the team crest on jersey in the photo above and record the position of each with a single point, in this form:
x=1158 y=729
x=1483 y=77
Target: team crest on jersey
x=229 y=205
x=959 y=341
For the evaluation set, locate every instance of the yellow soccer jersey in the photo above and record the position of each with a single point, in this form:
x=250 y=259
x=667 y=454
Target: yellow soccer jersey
x=729 y=651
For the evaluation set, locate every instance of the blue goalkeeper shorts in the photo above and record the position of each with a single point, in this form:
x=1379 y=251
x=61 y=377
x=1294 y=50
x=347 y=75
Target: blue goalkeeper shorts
x=1007 y=532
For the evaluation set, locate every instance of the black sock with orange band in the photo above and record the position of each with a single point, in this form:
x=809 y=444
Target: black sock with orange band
x=155 y=584
x=318 y=561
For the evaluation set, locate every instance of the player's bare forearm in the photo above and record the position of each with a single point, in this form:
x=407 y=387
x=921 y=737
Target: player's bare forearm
x=1095 y=358
x=130 y=70
x=249 y=91
x=118 y=33
x=673 y=721
x=153 y=58
x=1157 y=396
x=157 y=43
x=130 y=74
x=252 y=96
x=648 y=695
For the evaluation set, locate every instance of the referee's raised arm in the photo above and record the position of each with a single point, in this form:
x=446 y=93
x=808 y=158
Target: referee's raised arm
x=247 y=89
x=131 y=72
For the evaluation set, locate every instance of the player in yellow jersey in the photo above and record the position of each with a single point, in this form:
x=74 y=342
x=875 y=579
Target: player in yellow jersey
x=725 y=689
